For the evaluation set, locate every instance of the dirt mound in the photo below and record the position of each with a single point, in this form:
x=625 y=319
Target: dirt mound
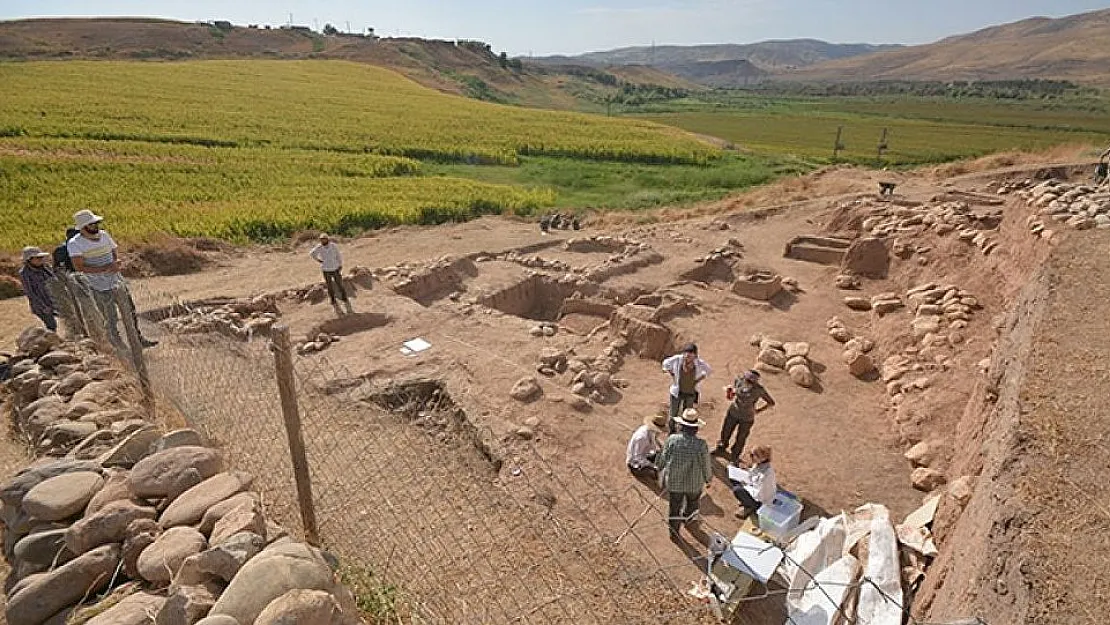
x=165 y=256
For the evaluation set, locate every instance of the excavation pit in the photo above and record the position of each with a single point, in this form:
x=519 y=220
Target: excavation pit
x=537 y=297
x=821 y=250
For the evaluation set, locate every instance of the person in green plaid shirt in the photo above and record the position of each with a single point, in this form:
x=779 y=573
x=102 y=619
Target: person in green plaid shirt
x=685 y=467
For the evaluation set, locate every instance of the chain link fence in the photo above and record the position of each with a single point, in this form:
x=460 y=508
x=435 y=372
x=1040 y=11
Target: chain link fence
x=407 y=491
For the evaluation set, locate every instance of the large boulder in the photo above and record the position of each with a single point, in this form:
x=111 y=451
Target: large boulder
x=52 y=592
x=37 y=341
x=271 y=574
x=246 y=518
x=304 y=607
x=526 y=390
x=40 y=551
x=68 y=432
x=217 y=512
x=102 y=393
x=58 y=357
x=73 y=383
x=159 y=562
x=226 y=558
x=13 y=491
x=108 y=525
x=116 y=488
x=63 y=496
x=135 y=609
x=867 y=257
x=186 y=605
x=193 y=503
x=217 y=619
x=179 y=438
x=139 y=535
x=156 y=475
x=926 y=479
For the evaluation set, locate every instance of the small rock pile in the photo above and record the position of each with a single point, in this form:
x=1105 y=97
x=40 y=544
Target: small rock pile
x=732 y=250
x=942 y=312
x=544 y=329
x=315 y=344
x=239 y=319
x=857 y=349
x=156 y=517
x=530 y=261
x=881 y=304
x=1077 y=206
x=848 y=282
x=791 y=357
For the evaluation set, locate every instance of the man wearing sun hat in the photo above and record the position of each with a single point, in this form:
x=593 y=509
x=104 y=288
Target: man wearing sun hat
x=93 y=254
x=686 y=469
x=643 y=447
x=331 y=262
x=35 y=276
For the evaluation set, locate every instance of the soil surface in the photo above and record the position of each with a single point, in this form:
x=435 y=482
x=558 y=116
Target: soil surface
x=480 y=293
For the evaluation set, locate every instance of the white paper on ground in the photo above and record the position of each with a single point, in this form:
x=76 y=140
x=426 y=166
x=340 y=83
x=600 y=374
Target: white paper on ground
x=815 y=551
x=415 y=346
x=823 y=605
x=756 y=558
x=884 y=571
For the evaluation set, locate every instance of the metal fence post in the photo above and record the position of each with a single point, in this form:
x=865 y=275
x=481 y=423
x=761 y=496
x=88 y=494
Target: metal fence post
x=287 y=388
x=127 y=317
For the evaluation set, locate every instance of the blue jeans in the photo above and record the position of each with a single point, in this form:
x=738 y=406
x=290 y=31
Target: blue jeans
x=48 y=321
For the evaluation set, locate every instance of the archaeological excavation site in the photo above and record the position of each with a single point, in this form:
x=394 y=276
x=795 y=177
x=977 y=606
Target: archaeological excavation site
x=454 y=450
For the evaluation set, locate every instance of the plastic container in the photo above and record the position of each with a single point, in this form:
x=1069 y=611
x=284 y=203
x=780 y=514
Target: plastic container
x=781 y=515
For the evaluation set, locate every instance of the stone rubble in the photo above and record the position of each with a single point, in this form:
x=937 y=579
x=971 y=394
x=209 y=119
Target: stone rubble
x=1075 y=206
x=152 y=515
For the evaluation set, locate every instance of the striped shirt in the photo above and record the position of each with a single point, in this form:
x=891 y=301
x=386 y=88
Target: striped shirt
x=685 y=464
x=98 y=252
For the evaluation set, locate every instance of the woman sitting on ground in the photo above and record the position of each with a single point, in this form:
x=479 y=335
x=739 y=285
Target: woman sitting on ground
x=757 y=485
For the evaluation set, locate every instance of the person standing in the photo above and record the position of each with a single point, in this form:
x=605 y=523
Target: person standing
x=685 y=466
x=686 y=371
x=331 y=262
x=62 y=261
x=94 y=255
x=746 y=391
x=643 y=447
x=34 y=275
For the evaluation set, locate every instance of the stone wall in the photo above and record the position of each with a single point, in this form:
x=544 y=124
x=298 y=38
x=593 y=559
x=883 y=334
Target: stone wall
x=120 y=522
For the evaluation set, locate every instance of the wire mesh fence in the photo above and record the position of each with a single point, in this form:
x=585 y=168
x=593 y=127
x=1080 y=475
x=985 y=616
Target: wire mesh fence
x=405 y=487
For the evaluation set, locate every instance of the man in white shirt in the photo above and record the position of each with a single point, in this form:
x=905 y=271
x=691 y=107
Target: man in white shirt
x=757 y=485
x=644 y=446
x=331 y=261
x=686 y=371
x=93 y=254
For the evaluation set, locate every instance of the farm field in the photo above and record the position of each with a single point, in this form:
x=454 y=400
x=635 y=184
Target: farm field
x=919 y=130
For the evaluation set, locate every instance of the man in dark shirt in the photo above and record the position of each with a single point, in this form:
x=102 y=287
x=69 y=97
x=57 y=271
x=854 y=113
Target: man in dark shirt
x=34 y=276
x=62 y=261
x=740 y=417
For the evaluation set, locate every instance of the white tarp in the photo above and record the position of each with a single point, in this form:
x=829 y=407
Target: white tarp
x=880 y=595
x=821 y=602
x=815 y=550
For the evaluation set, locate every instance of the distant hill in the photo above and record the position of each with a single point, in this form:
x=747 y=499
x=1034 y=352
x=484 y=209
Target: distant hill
x=696 y=63
x=470 y=68
x=1075 y=48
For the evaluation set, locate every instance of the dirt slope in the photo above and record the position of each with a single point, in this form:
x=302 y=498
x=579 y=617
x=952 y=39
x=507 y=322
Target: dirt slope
x=1075 y=48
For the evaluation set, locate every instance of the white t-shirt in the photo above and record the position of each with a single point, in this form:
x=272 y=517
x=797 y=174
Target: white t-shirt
x=97 y=252
x=328 y=255
x=761 y=483
x=642 y=443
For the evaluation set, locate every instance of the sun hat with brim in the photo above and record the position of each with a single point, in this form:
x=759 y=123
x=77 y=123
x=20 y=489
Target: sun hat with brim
x=83 y=218
x=33 y=252
x=690 y=419
x=658 y=421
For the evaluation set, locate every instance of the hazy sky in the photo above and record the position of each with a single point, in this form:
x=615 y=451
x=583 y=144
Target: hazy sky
x=574 y=26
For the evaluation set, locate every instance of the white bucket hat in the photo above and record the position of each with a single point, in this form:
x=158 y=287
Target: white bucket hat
x=33 y=252
x=690 y=419
x=84 y=218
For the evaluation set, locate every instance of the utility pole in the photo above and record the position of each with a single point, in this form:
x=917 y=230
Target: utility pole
x=839 y=145
x=290 y=24
x=348 y=26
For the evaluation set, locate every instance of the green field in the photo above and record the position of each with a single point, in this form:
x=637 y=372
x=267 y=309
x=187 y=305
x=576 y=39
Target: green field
x=257 y=150
x=919 y=130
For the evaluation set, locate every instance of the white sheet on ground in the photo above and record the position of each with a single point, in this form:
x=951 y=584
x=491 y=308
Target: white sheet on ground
x=757 y=558
x=815 y=550
x=880 y=600
x=821 y=602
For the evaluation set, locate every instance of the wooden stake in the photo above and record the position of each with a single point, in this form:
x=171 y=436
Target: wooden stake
x=287 y=388
x=127 y=317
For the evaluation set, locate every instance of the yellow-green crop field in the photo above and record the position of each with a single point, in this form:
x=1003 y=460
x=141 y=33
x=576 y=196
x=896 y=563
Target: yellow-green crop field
x=257 y=150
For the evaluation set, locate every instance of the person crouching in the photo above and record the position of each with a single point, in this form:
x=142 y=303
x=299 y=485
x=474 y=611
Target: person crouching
x=758 y=485
x=644 y=446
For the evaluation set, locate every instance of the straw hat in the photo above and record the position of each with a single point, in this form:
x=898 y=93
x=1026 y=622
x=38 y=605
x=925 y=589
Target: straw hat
x=690 y=419
x=658 y=421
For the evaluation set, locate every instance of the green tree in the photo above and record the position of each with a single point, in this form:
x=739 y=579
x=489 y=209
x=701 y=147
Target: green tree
x=330 y=30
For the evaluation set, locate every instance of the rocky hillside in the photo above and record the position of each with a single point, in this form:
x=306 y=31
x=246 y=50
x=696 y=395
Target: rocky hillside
x=470 y=68
x=1075 y=48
